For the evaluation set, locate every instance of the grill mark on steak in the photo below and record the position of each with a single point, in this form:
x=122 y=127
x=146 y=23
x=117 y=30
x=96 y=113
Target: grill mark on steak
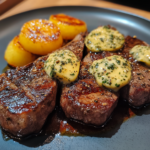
x=23 y=108
x=28 y=94
x=87 y=102
x=137 y=92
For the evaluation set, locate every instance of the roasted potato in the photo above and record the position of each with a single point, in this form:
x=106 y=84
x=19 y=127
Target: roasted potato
x=69 y=26
x=16 y=55
x=40 y=36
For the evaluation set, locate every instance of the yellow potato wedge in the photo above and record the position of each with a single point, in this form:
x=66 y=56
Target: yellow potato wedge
x=69 y=26
x=16 y=55
x=40 y=37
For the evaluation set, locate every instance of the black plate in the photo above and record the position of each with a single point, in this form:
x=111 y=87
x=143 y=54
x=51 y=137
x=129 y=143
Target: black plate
x=132 y=134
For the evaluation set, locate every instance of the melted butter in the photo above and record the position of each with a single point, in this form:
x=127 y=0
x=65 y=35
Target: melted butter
x=111 y=72
x=104 y=39
x=141 y=53
x=63 y=65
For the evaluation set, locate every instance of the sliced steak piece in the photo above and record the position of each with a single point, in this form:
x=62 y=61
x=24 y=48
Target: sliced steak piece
x=87 y=102
x=28 y=95
x=84 y=100
x=137 y=92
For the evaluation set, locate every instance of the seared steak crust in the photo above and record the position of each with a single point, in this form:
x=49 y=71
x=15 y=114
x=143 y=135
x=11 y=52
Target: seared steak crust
x=137 y=92
x=76 y=46
x=87 y=102
x=28 y=94
x=27 y=97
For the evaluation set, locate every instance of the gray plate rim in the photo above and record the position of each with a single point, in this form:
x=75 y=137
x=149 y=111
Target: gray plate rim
x=80 y=140
x=116 y=10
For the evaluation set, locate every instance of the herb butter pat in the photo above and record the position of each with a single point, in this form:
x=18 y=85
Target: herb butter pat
x=111 y=72
x=141 y=53
x=63 y=65
x=104 y=39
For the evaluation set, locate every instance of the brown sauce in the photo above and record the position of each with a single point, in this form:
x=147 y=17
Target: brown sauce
x=58 y=124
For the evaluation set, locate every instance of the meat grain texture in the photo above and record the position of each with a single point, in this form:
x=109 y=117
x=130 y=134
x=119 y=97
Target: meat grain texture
x=85 y=101
x=137 y=92
x=28 y=94
x=27 y=97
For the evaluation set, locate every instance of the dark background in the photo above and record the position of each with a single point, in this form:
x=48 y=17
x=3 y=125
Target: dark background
x=140 y=4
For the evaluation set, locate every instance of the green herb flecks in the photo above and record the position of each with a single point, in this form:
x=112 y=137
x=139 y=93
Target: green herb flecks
x=117 y=85
x=106 y=27
x=52 y=73
x=72 y=74
x=118 y=62
x=111 y=66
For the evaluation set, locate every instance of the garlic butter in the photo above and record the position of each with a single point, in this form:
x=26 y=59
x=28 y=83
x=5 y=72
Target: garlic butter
x=104 y=39
x=111 y=72
x=141 y=53
x=63 y=65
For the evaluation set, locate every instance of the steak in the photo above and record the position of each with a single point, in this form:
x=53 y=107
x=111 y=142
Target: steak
x=137 y=92
x=28 y=94
x=87 y=102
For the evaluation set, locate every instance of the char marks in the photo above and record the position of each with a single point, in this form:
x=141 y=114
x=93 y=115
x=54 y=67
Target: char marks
x=87 y=102
x=137 y=93
x=24 y=87
x=28 y=95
